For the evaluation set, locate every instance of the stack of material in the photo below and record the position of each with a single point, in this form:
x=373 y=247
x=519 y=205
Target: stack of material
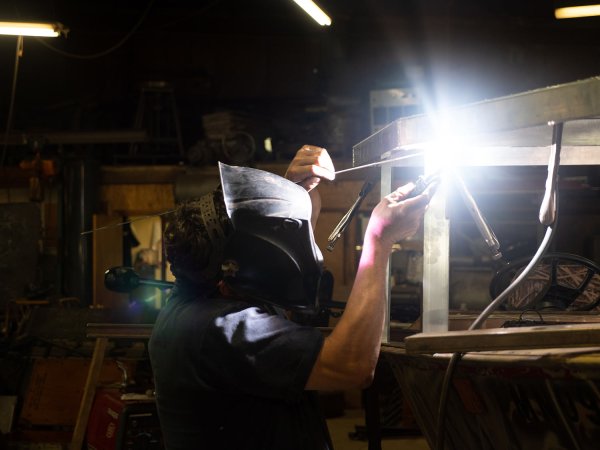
x=220 y=124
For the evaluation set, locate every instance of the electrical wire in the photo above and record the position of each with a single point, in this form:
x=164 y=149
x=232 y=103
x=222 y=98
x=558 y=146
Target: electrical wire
x=108 y=50
x=63 y=53
x=11 y=108
x=115 y=225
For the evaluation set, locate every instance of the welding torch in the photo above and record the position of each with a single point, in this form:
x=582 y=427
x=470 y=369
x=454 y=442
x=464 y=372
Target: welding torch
x=421 y=184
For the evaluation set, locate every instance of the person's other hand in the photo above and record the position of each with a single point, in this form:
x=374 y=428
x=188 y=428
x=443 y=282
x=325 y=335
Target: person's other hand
x=310 y=165
x=397 y=217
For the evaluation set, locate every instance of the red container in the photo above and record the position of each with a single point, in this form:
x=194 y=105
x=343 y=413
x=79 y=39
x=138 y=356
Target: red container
x=116 y=424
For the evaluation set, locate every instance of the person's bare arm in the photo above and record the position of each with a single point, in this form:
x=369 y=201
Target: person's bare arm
x=309 y=166
x=349 y=354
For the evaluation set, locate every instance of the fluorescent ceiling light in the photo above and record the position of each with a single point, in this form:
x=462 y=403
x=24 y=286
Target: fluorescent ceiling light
x=31 y=29
x=313 y=10
x=572 y=12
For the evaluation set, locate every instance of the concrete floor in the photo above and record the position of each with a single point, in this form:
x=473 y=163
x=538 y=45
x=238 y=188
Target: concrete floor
x=341 y=427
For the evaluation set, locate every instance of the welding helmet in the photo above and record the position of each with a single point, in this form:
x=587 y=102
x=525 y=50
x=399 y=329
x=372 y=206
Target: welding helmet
x=271 y=255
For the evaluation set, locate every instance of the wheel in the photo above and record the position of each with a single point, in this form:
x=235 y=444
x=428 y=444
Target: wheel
x=560 y=281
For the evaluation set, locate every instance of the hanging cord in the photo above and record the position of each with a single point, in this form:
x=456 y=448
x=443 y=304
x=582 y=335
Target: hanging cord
x=547 y=216
x=19 y=53
x=11 y=108
x=188 y=15
x=108 y=50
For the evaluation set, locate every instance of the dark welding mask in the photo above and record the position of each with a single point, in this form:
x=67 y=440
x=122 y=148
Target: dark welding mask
x=271 y=255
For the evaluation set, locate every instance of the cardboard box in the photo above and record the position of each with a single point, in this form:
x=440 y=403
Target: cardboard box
x=56 y=386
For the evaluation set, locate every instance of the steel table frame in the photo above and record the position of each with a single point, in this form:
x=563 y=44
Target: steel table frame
x=506 y=131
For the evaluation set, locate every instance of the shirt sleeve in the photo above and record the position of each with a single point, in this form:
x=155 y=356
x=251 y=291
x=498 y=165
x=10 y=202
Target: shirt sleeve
x=261 y=354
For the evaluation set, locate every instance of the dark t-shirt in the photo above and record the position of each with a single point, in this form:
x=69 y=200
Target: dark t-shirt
x=231 y=376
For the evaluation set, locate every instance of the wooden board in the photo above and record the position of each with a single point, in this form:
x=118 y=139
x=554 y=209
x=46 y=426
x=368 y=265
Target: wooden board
x=496 y=339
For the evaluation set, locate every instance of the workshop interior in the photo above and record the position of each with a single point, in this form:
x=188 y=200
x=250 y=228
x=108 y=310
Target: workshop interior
x=114 y=113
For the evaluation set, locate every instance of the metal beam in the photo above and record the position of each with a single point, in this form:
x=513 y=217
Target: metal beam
x=560 y=103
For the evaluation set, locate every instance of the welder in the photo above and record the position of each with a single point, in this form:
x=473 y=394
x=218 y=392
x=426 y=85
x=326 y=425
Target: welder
x=231 y=370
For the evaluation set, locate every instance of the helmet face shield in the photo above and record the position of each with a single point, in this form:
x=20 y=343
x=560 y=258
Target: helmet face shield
x=263 y=193
x=272 y=255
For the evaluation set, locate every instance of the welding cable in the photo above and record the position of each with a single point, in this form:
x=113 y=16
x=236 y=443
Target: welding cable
x=477 y=324
x=548 y=216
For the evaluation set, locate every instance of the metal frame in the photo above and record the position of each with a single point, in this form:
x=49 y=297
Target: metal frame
x=561 y=103
x=507 y=131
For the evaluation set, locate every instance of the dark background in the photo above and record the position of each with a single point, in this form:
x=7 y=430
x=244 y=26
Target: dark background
x=268 y=59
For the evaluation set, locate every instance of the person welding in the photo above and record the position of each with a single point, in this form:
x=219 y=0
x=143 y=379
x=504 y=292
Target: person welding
x=231 y=370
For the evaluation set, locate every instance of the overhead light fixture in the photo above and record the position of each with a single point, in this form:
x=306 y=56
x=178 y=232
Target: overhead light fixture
x=576 y=9
x=32 y=29
x=20 y=30
x=313 y=10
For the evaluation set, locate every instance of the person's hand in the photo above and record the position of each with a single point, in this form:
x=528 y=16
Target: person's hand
x=310 y=165
x=396 y=217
